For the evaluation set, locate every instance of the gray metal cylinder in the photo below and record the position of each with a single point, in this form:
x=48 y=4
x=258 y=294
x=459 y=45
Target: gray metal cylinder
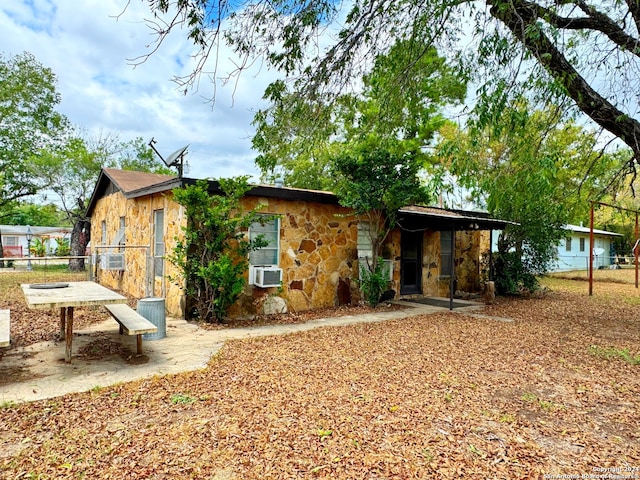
x=153 y=309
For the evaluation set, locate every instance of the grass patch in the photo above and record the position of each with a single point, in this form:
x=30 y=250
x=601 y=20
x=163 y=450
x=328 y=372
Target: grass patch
x=613 y=352
x=182 y=399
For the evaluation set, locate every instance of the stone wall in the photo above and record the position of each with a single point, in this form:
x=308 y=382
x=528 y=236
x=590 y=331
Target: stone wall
x=318 y=254
x=138 y=279
x=467 y=265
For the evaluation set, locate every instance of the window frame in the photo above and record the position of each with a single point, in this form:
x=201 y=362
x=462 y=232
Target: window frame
x=276 y=249
x=158 y=246
x=446 y=267
x=103 y=232
x=10 y=241
x=121 y=238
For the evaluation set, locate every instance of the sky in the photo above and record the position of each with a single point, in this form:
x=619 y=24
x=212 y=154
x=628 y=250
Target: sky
x=90 y=51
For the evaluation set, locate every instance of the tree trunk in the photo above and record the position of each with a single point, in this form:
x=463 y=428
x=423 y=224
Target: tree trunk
x=521 y=18
x=80 y=236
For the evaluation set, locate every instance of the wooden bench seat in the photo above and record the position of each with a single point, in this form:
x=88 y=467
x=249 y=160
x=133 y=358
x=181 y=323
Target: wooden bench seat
x=5 y=336
x=131 y=322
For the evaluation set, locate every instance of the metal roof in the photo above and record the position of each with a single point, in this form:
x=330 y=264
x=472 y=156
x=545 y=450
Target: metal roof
x=420 y=218
x=587 y=230
x=36 y=230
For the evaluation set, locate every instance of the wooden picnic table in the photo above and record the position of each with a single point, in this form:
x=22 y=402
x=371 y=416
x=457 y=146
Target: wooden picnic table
x=67 y=296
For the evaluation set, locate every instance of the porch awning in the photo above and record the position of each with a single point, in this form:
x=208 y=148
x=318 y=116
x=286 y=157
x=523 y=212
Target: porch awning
x=417 y=218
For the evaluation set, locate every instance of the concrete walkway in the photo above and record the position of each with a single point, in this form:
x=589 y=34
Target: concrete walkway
x=40 y=370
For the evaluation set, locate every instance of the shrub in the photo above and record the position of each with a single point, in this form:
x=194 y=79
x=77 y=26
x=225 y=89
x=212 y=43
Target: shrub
x=513 y=276
x=63 y=249
x=212 y=256
x=373 y=281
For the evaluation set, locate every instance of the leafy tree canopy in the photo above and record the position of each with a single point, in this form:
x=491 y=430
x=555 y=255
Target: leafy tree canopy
x=29 y=125
x=583 y=50
x=400 y=106
x=33 y=214
x=532 y=168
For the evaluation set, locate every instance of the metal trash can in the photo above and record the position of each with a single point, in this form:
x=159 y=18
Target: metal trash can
x=153 y=309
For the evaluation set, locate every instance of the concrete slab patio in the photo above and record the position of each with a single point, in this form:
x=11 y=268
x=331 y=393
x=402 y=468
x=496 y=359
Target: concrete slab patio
x=40 y=371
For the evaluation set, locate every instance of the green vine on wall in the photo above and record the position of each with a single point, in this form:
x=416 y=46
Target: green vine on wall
x=212 y=253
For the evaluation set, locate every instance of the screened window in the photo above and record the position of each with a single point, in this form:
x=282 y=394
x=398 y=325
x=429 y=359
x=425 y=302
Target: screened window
x=365 y=250
x=270 y=232
x=445 y=253
x=10 y=241
x=158 y=242
x=567 y=244
x=103 y=232
x=582 y=245
x=121 y=238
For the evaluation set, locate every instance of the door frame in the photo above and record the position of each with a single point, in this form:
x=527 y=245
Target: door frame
x=408 y=265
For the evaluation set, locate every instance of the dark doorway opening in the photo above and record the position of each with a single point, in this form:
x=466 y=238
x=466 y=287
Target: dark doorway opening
x=411 y=263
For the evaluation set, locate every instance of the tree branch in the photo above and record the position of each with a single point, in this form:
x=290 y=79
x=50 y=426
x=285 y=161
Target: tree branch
x=520 y=18
x=634 y=9
x=596 y=21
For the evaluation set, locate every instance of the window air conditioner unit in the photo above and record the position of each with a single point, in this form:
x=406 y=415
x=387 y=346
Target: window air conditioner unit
x=112 y=261
x=267 y=276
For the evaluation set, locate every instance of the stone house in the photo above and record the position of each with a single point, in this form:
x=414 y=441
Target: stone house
x=312 y=257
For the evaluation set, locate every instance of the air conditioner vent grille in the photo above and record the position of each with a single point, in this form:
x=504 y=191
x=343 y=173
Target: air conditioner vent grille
x=267 y=276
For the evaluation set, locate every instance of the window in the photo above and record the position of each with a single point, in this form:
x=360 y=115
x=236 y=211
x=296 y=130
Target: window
x=365 y=250
x=270 y=232
x=567 y=244
x=158 y=242
x=121 y=238
x=582 y=246
x=103 y=232
x=10 y=241
x=445 y=253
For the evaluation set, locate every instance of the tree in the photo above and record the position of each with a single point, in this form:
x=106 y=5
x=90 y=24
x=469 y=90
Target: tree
x=29 y=124
x=534 y=169
x=376 y=182
x=585 y=51
x=213 y=255
x=34 y=214
x=402 y=107
x=136 y=155
x=73 y=168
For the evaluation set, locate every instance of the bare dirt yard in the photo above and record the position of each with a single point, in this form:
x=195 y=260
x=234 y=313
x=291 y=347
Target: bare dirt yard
x=554 y=392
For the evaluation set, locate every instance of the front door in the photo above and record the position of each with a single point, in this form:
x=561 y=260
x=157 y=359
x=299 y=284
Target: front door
x=411 y=263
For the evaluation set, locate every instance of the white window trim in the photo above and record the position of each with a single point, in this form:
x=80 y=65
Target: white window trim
x=158 y=258
x=277 y=247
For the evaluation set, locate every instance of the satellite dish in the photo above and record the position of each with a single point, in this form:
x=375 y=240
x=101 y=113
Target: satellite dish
x=172 y=160
x=176 y=159
x=598 y=251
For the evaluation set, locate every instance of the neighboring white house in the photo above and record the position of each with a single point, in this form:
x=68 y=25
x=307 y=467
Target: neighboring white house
x=14 y=238
x=573 y=252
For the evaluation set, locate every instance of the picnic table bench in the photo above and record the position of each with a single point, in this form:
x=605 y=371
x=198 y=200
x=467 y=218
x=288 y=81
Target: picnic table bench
x=5 y=337
x=131 y=322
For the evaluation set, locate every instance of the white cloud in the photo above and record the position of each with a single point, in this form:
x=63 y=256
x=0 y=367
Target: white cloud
x=89 y=50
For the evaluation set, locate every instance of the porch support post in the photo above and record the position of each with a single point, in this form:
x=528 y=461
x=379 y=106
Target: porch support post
x=635 y=253
x=490 y=254
x=591 y=246
x=453 y=266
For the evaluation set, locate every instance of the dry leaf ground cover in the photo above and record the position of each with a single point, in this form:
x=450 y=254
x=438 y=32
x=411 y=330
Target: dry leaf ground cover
x=555 y=392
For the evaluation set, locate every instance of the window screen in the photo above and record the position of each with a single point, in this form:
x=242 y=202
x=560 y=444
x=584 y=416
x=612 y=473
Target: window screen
x=269 y=232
